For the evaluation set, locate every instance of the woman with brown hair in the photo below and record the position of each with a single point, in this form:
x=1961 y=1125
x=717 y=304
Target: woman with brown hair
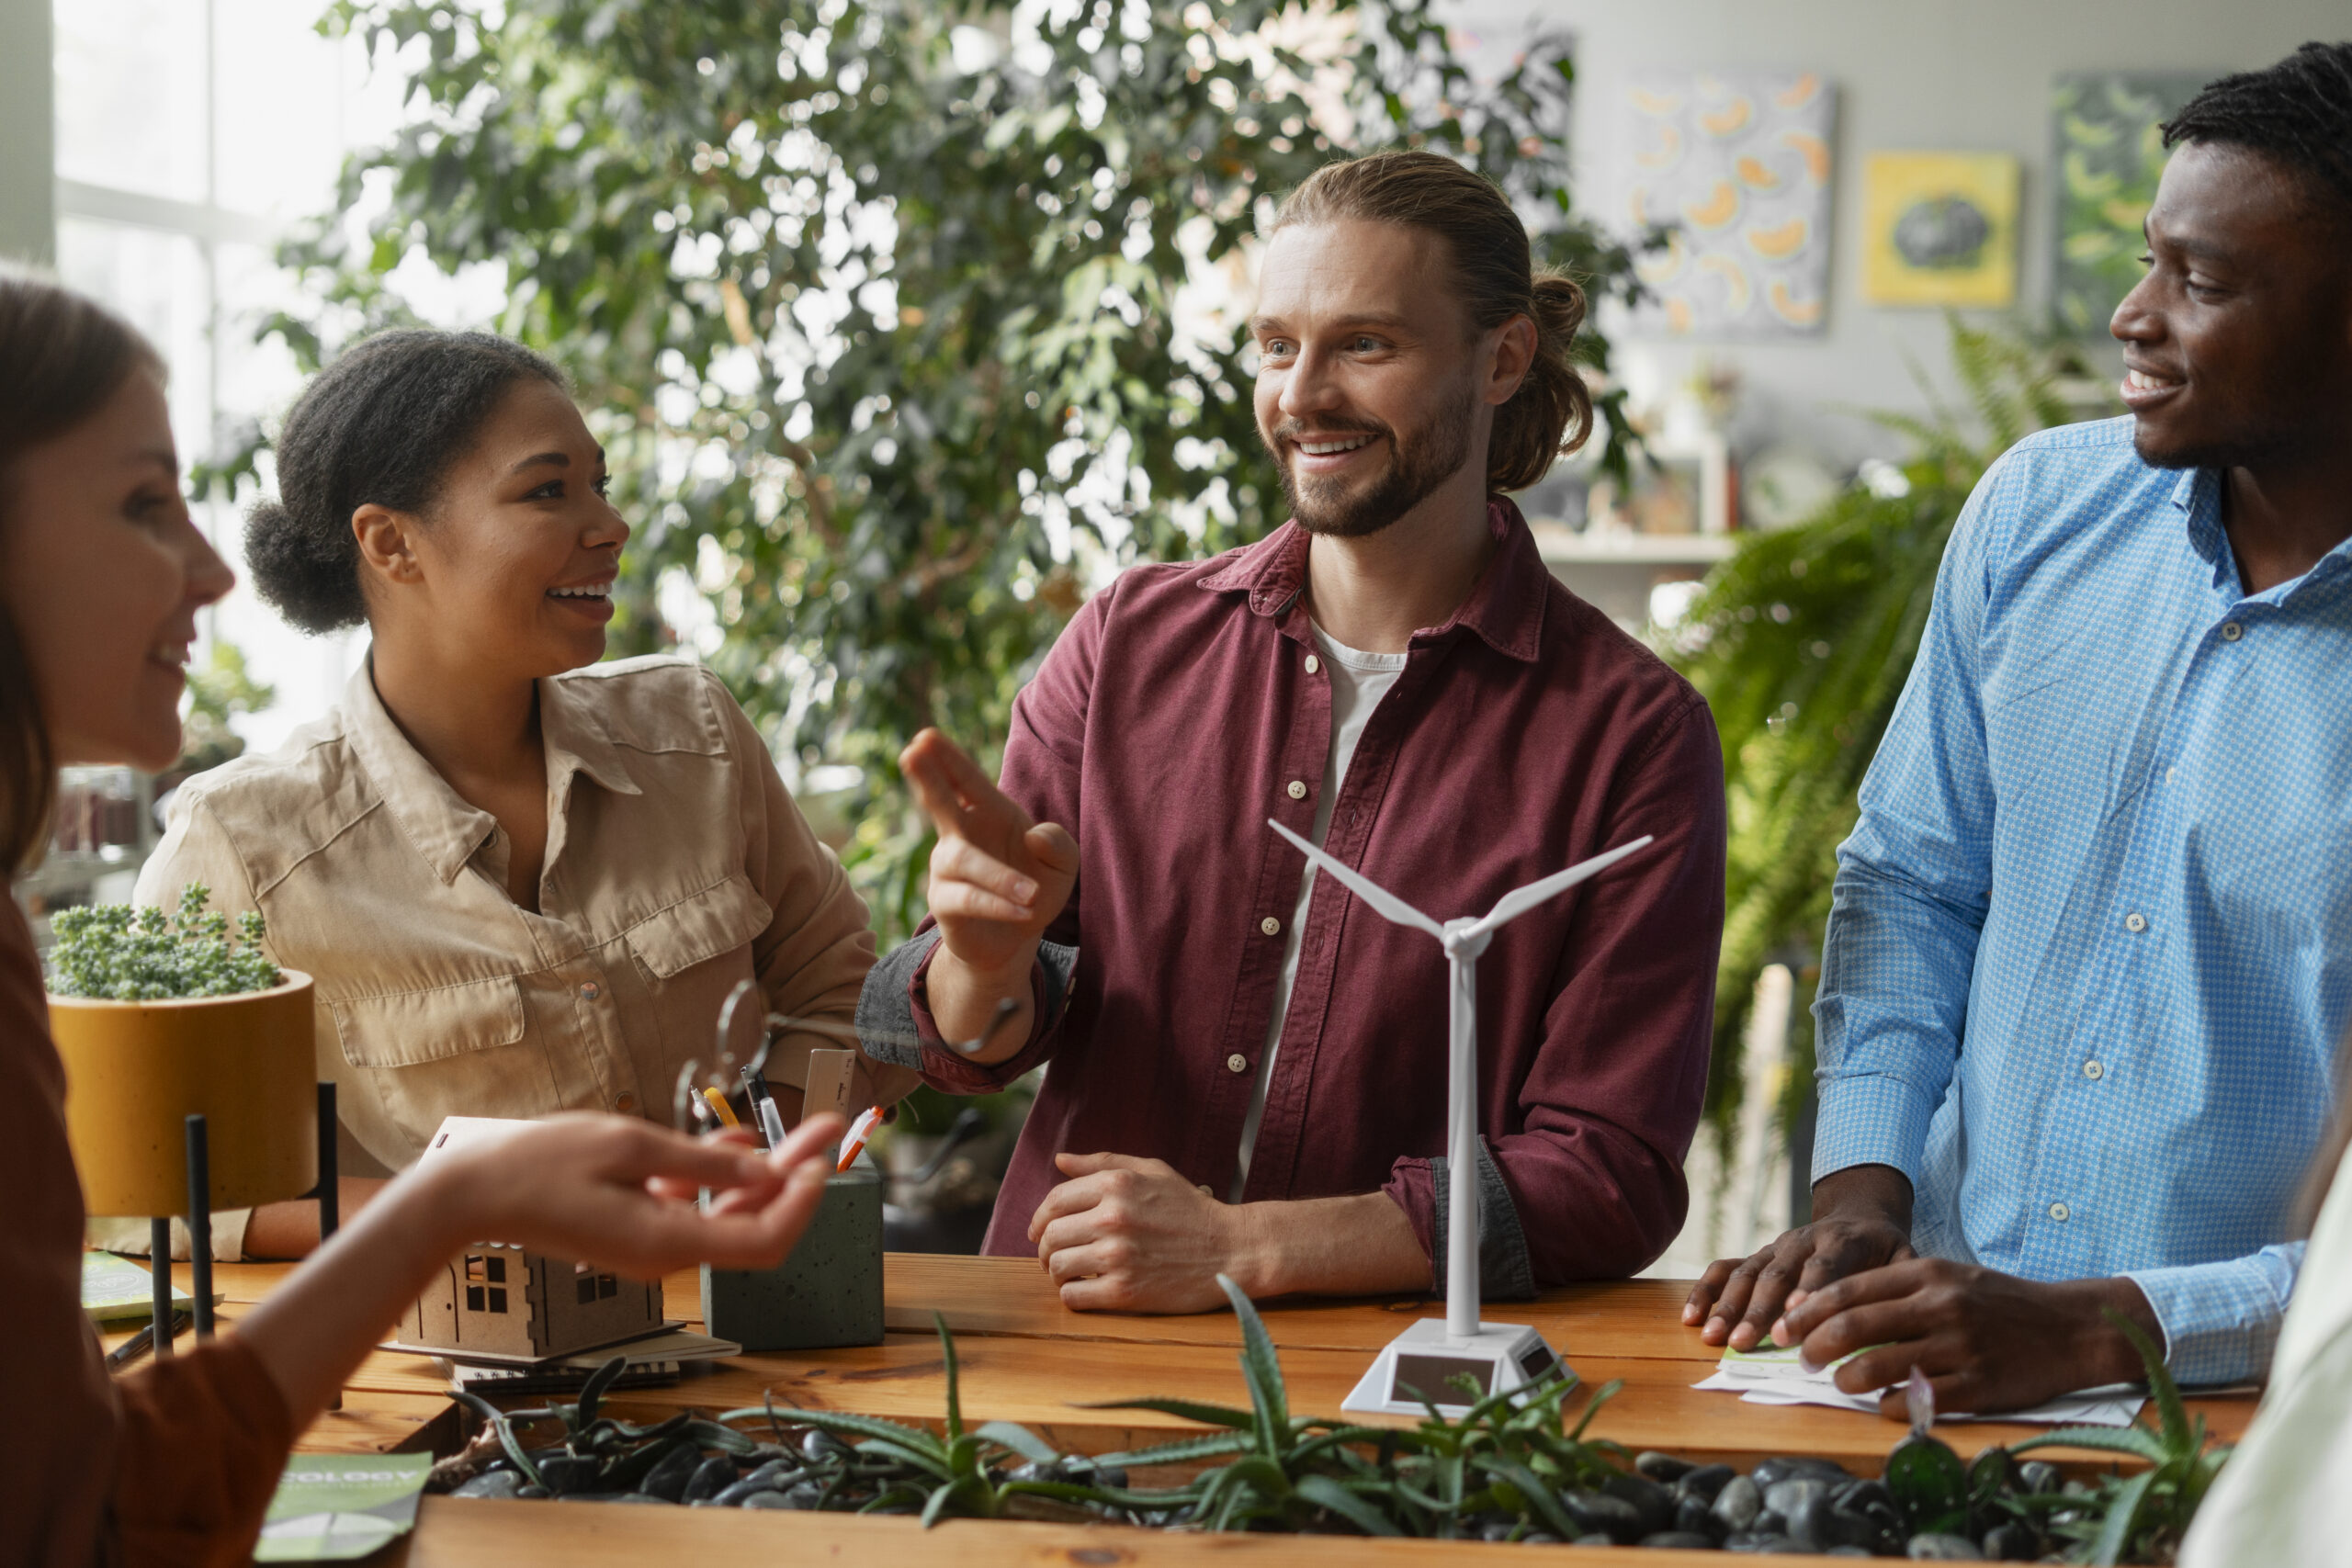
x=102 y=573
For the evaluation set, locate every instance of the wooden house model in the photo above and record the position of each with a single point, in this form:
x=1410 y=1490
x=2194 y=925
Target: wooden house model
x=502 y=1300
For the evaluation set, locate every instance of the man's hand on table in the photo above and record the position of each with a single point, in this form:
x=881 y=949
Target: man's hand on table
x=1128 y=1235
x=997 y=880
x=1862 y=1219
x=1987 y=1341
x=1131 y=1235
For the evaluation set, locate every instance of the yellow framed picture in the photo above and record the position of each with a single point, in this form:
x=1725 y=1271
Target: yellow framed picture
x=1939 y=229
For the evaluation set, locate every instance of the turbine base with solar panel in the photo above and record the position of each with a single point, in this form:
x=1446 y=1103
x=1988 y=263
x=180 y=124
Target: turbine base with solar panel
x=1424 y=1365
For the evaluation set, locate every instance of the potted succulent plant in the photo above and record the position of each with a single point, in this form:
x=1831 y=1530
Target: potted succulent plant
x=159 y=1016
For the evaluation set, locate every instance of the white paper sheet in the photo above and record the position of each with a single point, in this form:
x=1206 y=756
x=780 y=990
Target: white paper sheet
x=2113 y=1405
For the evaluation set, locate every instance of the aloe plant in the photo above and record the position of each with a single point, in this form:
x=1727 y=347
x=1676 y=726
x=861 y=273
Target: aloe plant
x=2143 y=1517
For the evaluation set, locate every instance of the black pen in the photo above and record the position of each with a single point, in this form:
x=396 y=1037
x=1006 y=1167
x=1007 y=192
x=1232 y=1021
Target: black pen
x=143 y=1341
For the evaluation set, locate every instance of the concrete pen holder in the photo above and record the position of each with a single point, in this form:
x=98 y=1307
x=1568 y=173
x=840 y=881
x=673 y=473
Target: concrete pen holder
x=828 y=1292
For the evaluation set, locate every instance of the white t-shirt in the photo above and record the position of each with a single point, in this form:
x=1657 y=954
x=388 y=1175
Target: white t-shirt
x=1359 y=681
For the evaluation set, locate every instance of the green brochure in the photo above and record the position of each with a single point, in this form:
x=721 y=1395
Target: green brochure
x=332 y=1507
x=115 y=1289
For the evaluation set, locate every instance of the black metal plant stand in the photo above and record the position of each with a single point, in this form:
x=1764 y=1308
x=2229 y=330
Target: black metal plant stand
x=199 y=1223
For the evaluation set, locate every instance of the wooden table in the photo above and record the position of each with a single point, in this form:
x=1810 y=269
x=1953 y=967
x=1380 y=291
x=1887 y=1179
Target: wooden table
x=1025 y=1357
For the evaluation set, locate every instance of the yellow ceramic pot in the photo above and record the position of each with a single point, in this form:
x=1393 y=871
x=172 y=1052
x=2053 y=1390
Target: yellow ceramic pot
x=135 y=1071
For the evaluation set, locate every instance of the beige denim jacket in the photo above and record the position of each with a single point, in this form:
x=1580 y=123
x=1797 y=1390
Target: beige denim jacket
x=676 y=865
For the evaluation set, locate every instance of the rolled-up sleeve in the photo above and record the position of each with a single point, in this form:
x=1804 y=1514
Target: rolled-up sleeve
x=2222 y=1320
x=1044 y=764
x=1913 y=883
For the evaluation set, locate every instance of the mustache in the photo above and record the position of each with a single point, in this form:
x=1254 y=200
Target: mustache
x=1291 y=429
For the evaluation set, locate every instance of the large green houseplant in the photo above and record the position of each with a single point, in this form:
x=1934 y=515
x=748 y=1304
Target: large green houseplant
x=901 y=322
x=1802 y=642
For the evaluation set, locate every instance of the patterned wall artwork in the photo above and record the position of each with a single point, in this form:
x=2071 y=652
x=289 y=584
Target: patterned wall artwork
x=2106 y=155
x=1737 y=167
x=1939 y=229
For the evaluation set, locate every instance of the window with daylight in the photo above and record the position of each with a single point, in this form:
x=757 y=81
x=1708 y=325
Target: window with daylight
x=190 y=135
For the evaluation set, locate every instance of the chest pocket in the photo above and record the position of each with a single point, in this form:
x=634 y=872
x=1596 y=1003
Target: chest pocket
x=721 y=919
x=408 y=1029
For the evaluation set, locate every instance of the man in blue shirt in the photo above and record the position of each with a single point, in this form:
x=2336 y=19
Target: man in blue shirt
x=2090 y=950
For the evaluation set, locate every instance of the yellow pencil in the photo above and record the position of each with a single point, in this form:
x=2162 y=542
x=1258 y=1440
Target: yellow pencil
x=724 y=1111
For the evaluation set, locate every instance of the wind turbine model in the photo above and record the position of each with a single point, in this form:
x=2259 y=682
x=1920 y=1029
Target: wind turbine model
x=1424 y=1359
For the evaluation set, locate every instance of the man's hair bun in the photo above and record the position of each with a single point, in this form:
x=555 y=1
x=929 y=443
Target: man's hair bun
x=381 y=426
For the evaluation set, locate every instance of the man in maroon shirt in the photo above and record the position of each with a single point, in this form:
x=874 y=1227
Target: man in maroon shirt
x=1249 y=1068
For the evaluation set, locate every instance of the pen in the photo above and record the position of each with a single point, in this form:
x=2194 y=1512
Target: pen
x=859 y=1131
x=721 y=1109
x=141 y=1342
x=763 y=1108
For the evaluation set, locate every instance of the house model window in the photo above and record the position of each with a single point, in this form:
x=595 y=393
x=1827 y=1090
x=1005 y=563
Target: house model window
x=486 y=1283
x=499 y=1300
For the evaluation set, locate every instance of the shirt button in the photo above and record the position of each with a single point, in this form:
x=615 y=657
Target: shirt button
x=2135 y=922
x=2060 y=1212
x=1313 y=664
x=2094 y=1071
x=590 y=992
x=1236 y=1063
x=626 y=1103
x=1271 y=926
x=2231 y=631
x=2169 y=774
x=1295 y=789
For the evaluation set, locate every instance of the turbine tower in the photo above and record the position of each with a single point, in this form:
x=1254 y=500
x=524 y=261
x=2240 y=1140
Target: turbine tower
x=1422 y=1360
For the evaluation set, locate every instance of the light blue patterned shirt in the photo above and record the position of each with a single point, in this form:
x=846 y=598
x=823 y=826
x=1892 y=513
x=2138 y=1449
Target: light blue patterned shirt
x=2091 y=944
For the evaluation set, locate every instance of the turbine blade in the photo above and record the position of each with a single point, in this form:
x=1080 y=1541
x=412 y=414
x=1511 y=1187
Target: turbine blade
x=1512 y=904
x=1384 y=904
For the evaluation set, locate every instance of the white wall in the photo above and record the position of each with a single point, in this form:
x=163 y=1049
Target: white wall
x=28 y=189
x=1963 y=75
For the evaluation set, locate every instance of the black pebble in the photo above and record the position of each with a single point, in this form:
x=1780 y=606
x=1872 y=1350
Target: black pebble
x=805 y=1497
x=533 y=1493
x=1680 y=1541
x=1654 y=1503
x=1030 y=1470
x=821 y=1446
x=710 y=1477
x=2011 y=1543
x=1497 y=1531
x=491 y=1484
x=1692 y=1516
x=1598 y=1513
x=1783 y=1468
x=2038 y=1475
x=668 y=1478
x=769 y=1477
x=1931 y=1547
x=1705 y=1482
x=1539 y=1537
x=766 y=1500
x=564 y=1473
x=1112 y=1477
x=1664 y=1469
x=1739 y=1504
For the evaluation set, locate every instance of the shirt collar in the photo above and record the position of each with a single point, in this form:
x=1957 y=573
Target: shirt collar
x=1504 y=609
x=441 y=825
x=2198 y=494
x=578 y=741
x=437 y=822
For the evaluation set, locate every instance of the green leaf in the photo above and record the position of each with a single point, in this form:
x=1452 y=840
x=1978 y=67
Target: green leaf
x=1188 y=1409
x=1181 y=1451
x=2123 y=1514
x=500 y=1424
x=1262 y=1369
x=1020 y=1439
x=1328 y=1495
x=2137 y=1441
x=954 y=1398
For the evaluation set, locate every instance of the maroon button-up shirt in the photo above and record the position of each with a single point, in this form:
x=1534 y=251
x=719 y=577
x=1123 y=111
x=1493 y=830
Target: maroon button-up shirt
x=1175 y=715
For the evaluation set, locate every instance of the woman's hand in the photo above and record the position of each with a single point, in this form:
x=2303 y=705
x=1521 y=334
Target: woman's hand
x=610 y=1191
x=619 y=1193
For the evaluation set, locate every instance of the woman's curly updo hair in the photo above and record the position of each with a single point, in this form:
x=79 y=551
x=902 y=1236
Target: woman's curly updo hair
x=381 y=426
x=1551 y=410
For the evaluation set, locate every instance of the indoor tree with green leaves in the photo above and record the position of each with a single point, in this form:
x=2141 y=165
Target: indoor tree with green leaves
x=901 y=324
